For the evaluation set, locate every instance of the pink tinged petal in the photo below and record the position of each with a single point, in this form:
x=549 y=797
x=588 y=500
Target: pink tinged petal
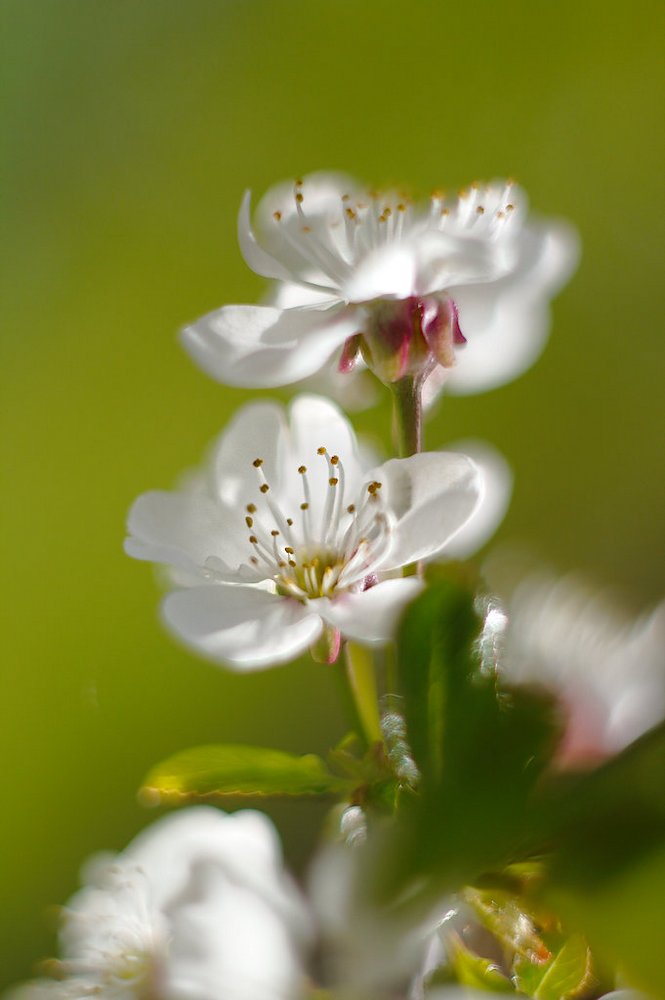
x=497 y=488
x=458 y=336
x=371 y=615
x=431 y=496
x=262 y=347
x=240 y=627
x=350 y=355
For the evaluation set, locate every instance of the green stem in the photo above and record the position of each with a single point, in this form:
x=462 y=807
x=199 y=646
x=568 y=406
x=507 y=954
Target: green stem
x=362 y=685
x=407 y=409
x=408 y=420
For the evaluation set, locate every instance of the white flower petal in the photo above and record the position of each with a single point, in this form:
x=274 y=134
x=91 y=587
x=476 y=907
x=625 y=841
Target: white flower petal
x=497 y=488
x=506 y=323
x=388 y=271
x=293 y=295
x=369 y=616
x=183 y=530
x=431 y=495
x=305 y=236
x=261 y=261
x=241 y=627
x=261 y=346
x=258 y=430
x=229 y=941
x=316 y=422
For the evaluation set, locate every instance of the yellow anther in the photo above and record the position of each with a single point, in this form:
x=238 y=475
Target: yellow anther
x=302 y=469
x=251 y=508
x=264 y=487
x=480 y=210
x=254 y=540
x=249 y=522
x=333 y=481
x=287 y=548
x=351 y=508
x=300 y=197
x=274 y=532
x=334 y=459
x=304 y=506
x=257 y=463
x=289 y=521
x=277 y=216
x=320 y=451
x=292 y=562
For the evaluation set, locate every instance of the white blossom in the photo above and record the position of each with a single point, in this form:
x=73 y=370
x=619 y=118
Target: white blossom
x=196 y=908
x=286 y=538
x=402 y=285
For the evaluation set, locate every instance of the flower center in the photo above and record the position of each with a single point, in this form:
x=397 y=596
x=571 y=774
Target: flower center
x=308 y=554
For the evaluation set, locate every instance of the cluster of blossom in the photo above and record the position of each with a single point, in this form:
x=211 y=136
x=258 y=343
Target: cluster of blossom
x=293 y=537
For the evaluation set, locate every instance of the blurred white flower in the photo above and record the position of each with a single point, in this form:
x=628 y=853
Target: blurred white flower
x=196 y=908
x=286 y=537
x=608 y=669
x=366 y=952
x=401 y=286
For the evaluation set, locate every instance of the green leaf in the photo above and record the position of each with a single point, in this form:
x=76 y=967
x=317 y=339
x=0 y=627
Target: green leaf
x=476 y=972
x=562 y=976
x=480 y=747
x=228 y=770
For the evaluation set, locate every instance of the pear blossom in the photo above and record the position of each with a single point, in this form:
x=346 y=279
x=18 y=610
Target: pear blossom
x=287 y=538
x=197 y=907
x=371 y=276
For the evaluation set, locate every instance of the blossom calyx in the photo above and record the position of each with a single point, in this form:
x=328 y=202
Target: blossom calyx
x=408 y=337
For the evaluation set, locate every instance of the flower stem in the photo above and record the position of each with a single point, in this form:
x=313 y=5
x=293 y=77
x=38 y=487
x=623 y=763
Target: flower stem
x=362 y=685
x=407 y=409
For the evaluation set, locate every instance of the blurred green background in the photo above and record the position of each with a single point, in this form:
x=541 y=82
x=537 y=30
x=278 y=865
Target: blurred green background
x=131 y=129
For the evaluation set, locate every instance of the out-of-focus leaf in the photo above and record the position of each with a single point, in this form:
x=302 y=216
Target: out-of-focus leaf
x=564 y=975
x=623 y=918
x=230 y=770
x=606 y=819
x=476 y=972
x=480 y=748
